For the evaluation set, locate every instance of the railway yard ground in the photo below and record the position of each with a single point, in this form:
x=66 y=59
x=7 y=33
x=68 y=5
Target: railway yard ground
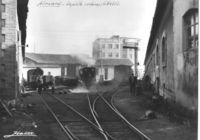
x=30 y=119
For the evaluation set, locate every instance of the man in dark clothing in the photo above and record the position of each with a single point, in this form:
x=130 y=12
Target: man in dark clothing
x=40 y=84
x=131 y=83
x=135 y=86
x=52 y=84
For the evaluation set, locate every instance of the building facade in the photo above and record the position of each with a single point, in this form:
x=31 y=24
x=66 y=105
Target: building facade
x=116 y=47
x=57 y=64
x=172 y=54
x=10 y=52
x=113 y=69
x=113 y=48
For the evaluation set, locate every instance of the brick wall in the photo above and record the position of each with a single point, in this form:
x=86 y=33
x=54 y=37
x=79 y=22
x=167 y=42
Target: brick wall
x=8 y=49
x=179 y=77
x=186 y=60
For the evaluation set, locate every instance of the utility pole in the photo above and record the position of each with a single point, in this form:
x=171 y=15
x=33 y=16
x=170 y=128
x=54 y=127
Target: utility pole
x=136 y=61
x=135 y=57
x=135 y=48
x=101 y=75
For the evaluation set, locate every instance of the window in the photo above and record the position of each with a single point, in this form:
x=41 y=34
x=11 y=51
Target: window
x=191 y=28
x=2 y=83
x=3 y=67
x=109 y=54
x=3 y=7
x=116 y=46
x=3 y=22
x=18 y=35
x=2 y=53
x=103 y=54
x=106 y=73
x=164 y=50
x=124 y=55
x=3 y=37
x=153 y=58
x=157 y=55
x=103 y=46
x=65 y=71
x=130 y=56
x=110 y=46
x=117 y=55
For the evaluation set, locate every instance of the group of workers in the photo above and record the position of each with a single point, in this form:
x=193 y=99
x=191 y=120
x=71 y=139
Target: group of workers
x=45 y=82
x=50 y=81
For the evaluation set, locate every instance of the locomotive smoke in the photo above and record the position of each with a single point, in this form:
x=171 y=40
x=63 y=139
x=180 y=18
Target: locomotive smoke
x=79 y=90
x=84 y=59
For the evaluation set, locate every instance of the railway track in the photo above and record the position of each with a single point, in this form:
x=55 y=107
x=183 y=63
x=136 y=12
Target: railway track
x=94 y=118
x=75 y=125
x=112 y=120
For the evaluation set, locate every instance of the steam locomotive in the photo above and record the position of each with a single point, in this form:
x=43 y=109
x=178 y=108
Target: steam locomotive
x=34 y=74
x=87 y=76
x=32 y=77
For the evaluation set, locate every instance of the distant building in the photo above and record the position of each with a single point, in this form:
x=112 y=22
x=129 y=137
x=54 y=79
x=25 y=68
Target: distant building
x=172 y=53
x=113 y=48
x=116 y=47
x=113 y=69
x=57 y=64
x=140 y=71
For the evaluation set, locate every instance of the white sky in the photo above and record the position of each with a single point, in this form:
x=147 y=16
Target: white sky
x=65 y=29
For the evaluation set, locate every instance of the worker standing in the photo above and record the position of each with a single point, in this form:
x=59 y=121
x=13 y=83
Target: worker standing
x=40 y=84
x=52 y=84
x=131 y=84
x=135 y=87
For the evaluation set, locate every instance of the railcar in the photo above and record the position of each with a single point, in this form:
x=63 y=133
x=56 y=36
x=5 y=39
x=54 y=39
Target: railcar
x=88 y=76
x=70 y=82
x=33 y=74
x=48 y=81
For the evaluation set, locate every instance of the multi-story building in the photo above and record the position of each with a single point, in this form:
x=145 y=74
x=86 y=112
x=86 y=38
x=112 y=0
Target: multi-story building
x=10 y=50
x=111 y=52
x=172 y=54
x=113 y=48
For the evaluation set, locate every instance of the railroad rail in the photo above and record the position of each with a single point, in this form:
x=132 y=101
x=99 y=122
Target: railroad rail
x=110 y=104
x=106 y=135
x=67 y=131
x=94 y=114
x=102 y=126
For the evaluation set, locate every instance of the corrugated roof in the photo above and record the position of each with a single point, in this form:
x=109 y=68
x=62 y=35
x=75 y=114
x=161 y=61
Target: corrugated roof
x=57 y=58
x=113 y=62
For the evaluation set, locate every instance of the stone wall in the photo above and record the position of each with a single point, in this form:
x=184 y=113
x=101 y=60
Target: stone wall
x=186 y=60
x=164 y=71
x=8 y=57
x=179 y=79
